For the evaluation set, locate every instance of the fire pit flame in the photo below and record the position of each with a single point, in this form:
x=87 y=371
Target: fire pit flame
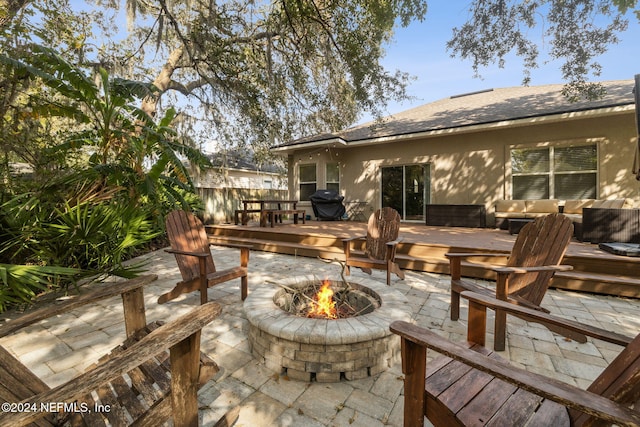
x=324 y=307
x=326 y=299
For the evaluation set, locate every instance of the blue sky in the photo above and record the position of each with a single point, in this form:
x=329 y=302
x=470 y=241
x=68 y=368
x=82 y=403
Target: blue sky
x=421 y=51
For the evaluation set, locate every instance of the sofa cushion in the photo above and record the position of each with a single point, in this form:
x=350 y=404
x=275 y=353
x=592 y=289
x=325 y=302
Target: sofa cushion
x=510 y=206
x=575 y=206
x=609 y=204
x=541 y=206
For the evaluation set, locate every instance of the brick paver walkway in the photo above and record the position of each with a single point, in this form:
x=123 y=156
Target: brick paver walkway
x=62 y=347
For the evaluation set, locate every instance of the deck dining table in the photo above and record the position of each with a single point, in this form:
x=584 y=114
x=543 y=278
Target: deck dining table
x=269 y=210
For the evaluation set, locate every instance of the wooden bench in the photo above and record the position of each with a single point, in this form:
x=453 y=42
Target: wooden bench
x=268 y=210
x=272 y=215
x=245 y=216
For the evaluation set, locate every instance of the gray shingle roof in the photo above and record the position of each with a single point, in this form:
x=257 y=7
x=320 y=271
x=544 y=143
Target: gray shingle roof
x=241 y=161
x=483 y=107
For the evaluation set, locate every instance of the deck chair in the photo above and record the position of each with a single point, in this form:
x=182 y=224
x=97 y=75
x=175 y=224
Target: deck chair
x=471 y=385
x=534 y=259
x=380 y=245
x=190 y=245
x=152 y=377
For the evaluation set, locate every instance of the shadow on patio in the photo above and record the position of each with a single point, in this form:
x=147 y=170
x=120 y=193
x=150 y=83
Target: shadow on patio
x=64 y=346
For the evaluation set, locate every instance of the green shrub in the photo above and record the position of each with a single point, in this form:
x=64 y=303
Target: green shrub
x=111 y=174
x=47 y=246
x=19 y=284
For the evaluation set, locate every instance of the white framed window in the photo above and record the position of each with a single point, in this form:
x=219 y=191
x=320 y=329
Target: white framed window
x=308 y=180
x=332 y=176
x=556 y=172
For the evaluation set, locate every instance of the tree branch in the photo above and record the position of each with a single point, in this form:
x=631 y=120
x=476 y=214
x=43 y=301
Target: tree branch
x=9 y=9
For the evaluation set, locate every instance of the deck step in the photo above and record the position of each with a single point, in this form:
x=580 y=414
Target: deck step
x=569 y=280
x=624 y=286
x=411 y=257
x=289 y=248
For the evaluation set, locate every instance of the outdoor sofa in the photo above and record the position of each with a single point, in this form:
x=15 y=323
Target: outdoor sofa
x=523 y=209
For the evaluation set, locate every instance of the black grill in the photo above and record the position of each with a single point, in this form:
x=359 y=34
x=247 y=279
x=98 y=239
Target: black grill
x=327 y=204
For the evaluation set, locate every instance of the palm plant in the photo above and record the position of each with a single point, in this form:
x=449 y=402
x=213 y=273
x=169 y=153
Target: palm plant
x=92 y=215
x=125 y=146
x=19 y=284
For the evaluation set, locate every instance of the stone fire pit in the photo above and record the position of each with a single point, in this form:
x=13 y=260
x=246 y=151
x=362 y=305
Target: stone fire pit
x=322 y=349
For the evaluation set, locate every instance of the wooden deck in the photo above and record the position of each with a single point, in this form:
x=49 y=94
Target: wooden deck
x=423 y=249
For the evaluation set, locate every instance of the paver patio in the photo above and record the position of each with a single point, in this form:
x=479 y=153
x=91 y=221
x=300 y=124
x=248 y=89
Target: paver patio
x=62 y=347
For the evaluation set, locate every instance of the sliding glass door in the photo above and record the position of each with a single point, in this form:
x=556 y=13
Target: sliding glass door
x=406 y=189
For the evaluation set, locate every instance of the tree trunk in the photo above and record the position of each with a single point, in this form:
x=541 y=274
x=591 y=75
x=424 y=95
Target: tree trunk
x=163 y=82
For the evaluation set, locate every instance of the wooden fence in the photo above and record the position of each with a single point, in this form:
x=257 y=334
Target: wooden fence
x=220 y=203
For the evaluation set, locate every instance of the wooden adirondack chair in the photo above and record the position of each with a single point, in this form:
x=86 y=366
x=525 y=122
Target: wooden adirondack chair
x=535 y=257
x=190 y=245
x=152 y=377
x=380 y=245
x=470 y=385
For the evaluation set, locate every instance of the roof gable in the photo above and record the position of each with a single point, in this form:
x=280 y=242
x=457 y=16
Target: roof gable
x=477 y=108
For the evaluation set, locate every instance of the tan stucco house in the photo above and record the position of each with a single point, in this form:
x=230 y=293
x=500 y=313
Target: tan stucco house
x=477 y=148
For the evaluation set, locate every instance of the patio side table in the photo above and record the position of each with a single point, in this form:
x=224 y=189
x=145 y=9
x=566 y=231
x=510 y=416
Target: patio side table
x=355 y=211
x=516 y=224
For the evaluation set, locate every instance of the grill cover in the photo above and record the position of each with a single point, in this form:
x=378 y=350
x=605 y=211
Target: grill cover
x=327 y=204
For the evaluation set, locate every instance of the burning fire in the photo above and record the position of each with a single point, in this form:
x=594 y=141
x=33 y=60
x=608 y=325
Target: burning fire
x=324 y=306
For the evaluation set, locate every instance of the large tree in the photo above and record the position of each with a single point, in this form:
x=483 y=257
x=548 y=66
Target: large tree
x=258 y=72
x=574 y=32
x=261 y=72
x=240 y=72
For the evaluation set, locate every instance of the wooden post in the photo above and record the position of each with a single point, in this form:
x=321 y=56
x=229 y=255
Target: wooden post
x=134 y=311
x=414 y=366
x=346 y=246
x=500 y=330
x=244 y=280
x=185 y=357
x=477 y=327
x=455 y=271
x=204 y=282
